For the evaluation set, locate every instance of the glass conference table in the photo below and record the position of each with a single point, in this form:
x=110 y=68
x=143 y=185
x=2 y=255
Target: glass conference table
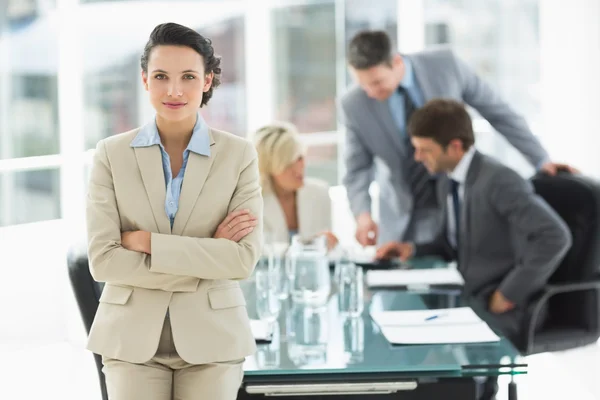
x=316 y=352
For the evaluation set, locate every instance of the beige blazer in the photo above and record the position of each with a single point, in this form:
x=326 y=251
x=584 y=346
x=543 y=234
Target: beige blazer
x=188 y=273
x=314 y=211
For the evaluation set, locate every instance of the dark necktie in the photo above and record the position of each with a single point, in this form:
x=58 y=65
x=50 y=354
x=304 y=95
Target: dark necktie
x=454 y=185
x=421 y=182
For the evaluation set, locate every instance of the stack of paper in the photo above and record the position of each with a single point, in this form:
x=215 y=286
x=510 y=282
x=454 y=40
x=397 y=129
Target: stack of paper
x=414 y=277
x=449 y=325
x=363 y=254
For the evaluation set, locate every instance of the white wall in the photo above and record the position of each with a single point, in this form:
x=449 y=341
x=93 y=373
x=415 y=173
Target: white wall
x=35 y=295
x=570 y=81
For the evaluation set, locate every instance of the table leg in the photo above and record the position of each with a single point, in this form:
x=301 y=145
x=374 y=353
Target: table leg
x=512 y=390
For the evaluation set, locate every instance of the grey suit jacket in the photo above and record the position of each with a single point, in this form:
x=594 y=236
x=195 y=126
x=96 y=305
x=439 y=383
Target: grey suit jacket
x=374 y=147
x=510 y=239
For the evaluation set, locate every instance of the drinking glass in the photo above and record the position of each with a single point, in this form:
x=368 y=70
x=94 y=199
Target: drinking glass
x=267 y=299
x=351 y=291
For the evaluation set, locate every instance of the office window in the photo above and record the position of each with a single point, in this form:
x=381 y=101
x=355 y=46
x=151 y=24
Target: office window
x=498 y=38
x=29 y=196
x=307 y=60
x=111 y=99
x=304 y=57
x=32 y=129
x=321 y=162
x=227 y=108
x=28 y=111
x=28 y=84
x=20 y=13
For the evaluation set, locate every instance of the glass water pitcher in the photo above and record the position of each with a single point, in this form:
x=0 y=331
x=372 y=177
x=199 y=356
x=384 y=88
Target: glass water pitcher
x=308 y=335
x=308 y=268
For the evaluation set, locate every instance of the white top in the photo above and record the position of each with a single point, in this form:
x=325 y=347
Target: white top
x=314 y=212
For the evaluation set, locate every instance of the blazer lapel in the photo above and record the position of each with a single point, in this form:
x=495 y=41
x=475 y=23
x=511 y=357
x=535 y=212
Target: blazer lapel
x=196 y=172
x=149 y=160
x=424 y=84
x=466 y=217
x=443 y=188
x=383 y=116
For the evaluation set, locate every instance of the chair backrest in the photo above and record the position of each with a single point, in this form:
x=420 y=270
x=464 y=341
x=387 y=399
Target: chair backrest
x=576 y=199
x=87 y=291
x=87 y=294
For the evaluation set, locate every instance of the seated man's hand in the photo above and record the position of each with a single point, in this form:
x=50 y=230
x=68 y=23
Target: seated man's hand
x=395 y=249
x=552 y=168
x=500 y=304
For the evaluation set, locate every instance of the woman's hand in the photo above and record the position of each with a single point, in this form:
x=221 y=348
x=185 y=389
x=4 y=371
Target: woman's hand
x=236 y=226
x=137 y=241
x=332 y=240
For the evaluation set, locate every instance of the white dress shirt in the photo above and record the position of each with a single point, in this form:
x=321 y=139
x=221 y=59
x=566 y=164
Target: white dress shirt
x=459 y=174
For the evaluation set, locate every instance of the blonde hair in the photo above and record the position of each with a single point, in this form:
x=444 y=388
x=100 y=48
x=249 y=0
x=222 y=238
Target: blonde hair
x=278 y=146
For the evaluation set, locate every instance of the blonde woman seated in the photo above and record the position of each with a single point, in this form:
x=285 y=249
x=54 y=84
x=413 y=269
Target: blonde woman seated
x=293 y=204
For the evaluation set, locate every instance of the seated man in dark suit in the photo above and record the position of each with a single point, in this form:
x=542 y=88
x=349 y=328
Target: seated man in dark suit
x=506 y=239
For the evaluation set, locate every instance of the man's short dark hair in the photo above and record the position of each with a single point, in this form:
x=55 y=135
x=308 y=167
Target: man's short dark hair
x=443 y=121
x=368 y=49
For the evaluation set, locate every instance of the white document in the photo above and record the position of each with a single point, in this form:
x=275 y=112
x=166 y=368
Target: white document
x=414 y=277
x=260 y=330
x=449 y=325
x=444 y=316
x=363 y=254
x=474 y=333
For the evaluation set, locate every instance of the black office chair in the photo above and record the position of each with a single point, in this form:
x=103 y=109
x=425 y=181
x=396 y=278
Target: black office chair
x=87 y=293
x=573 y=292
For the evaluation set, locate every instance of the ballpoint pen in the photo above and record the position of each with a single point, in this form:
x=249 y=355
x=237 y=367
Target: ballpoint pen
x=434 y=317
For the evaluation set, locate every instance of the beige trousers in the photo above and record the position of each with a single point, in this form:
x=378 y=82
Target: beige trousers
x=167 y=377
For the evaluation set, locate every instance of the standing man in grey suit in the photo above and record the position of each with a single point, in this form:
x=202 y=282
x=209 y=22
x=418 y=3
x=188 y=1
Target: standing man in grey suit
x=507 y=240
x=390 y=87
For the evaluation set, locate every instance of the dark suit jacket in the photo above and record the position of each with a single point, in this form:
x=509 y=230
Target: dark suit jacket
x=510 y=239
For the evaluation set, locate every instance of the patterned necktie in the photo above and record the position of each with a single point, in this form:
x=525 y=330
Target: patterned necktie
x=421 y=182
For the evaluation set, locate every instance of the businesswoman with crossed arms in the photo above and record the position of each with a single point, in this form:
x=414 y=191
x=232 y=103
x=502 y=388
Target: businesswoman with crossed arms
x=174 y=216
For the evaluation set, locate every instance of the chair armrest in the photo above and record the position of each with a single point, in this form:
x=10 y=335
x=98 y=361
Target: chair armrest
x=551 y=290
x=547 y=292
